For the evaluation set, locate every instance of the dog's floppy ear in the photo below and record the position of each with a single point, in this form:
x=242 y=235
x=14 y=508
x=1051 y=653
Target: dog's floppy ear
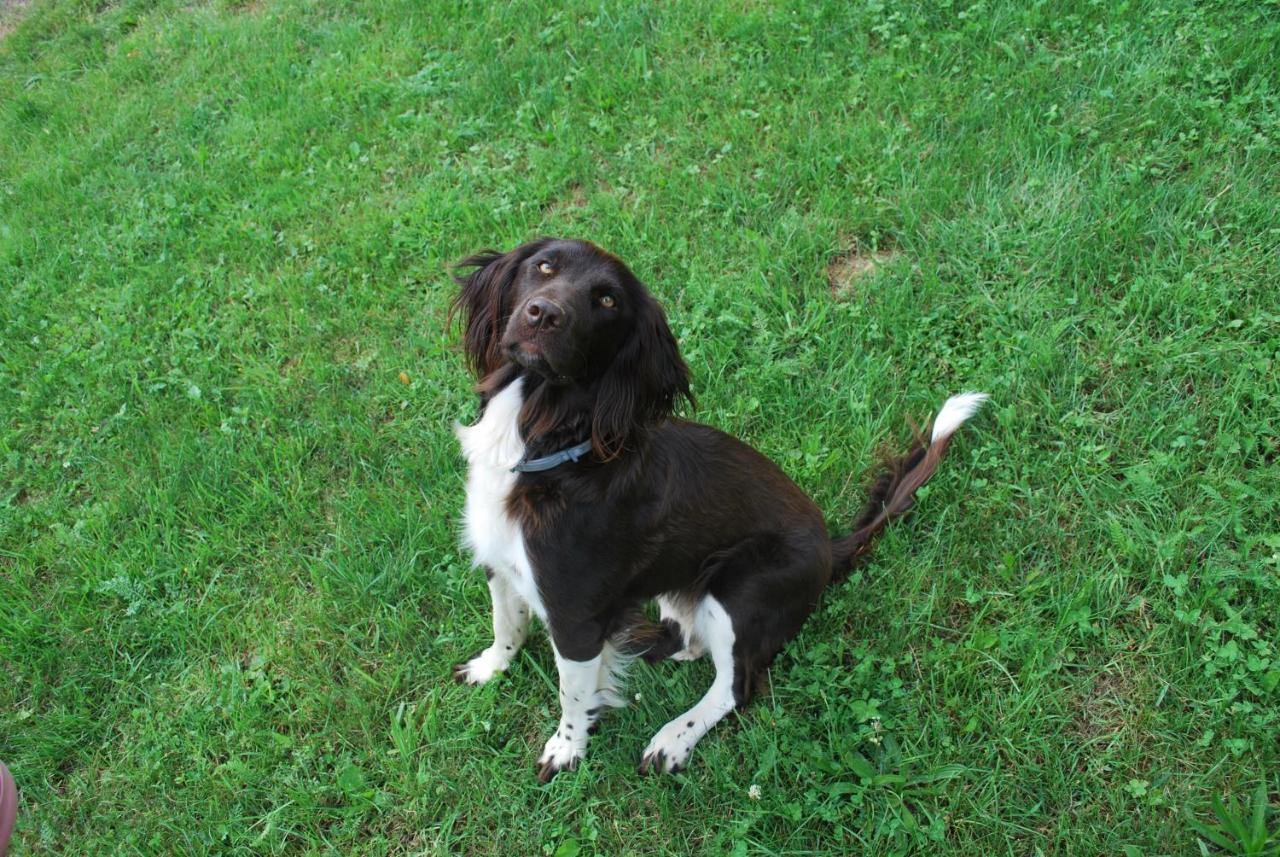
x=643 y=385
x=485 y=303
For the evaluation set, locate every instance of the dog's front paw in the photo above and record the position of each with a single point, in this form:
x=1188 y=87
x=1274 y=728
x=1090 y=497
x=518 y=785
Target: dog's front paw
x=482 y=667
x=561 y=754
x=669 y=750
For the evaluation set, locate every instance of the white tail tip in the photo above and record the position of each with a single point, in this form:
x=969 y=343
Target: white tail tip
x=954 y=412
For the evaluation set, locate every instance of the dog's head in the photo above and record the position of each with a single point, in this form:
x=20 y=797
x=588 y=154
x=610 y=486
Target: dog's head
x=576 y=316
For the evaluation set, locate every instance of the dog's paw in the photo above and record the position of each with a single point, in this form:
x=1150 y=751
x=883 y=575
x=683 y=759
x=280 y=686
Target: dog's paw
x=560 y=754
x=668 y=752
x=482 y=667
x=690 y=653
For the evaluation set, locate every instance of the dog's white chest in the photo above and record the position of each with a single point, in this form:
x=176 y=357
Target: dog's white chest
x=492 y=447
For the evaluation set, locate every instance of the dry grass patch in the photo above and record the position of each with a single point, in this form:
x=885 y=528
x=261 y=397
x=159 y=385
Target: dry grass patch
x=11 y=12
x=1106 y=706
x=845 y=271
x=574 y=198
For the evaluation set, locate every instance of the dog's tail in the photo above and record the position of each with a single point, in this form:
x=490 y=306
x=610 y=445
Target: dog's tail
x=894 y=491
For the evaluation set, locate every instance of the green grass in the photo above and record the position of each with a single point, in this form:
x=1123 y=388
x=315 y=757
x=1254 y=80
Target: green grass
x=230 y=586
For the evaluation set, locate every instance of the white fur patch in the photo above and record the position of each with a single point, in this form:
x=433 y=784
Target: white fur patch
x=954 y=412
x=680 y=611
x=613 y=673
x=492 y=447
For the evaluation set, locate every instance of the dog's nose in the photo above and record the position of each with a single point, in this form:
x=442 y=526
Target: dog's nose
x=541 y=312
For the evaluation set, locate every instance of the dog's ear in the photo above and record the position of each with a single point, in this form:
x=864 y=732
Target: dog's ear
x=485 y=303
x=643 y=385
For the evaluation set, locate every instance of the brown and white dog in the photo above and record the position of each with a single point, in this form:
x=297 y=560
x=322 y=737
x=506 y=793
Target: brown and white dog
x=587 y=498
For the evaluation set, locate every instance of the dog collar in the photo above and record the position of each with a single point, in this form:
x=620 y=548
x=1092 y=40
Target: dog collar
x=555 y=459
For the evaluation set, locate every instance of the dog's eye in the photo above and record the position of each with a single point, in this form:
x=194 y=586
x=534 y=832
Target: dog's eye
x=607 y=301
x=545 y=268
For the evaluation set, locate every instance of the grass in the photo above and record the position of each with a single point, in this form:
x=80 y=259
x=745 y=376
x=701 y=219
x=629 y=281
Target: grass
x=230 y=586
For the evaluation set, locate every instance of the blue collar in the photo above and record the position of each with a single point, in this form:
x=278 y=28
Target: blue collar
x=555 y=459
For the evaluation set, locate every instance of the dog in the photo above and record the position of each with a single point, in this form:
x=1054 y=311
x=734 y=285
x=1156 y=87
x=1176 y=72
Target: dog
x=587 y=498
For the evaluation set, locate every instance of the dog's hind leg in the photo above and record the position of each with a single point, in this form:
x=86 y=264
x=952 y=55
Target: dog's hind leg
x=670 y=748
x=759 y=593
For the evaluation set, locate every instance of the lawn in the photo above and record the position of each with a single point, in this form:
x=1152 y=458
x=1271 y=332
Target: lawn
x=231 y=592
